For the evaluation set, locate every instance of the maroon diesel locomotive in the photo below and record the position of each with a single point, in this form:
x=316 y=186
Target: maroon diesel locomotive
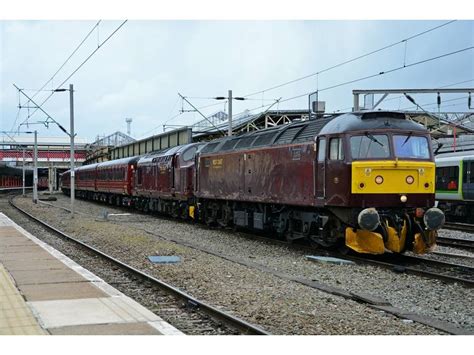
x=365 y=179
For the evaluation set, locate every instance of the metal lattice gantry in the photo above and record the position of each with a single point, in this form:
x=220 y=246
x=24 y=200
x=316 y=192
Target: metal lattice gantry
x=442 y=125
x=113 y=140
x=369 y=95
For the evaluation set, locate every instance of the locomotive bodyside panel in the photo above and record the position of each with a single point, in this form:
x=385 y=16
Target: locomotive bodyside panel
x=280 y=174
x=221 y=176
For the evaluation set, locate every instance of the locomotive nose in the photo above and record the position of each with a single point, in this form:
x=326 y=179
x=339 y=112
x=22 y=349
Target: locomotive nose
x=369 y=219
x=434 y=218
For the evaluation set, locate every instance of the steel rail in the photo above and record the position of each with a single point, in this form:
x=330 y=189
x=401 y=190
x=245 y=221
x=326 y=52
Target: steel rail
x=376 y=303
x=401 y=266
x=465 y=227
x=456 y=243
x=243 y=326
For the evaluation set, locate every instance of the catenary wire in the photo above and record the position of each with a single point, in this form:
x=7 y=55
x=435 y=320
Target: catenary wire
x=370 y=76
x=351 y=60
x=79 y=67
x=62 y=66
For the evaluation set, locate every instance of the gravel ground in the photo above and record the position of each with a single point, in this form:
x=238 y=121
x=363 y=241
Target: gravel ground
x=282 y=307
x=449 y=233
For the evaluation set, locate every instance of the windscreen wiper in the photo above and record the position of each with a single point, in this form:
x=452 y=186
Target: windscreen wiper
x=407 y=138
x=372 y=138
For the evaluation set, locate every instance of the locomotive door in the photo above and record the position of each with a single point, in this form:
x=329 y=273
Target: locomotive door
x=320 y=173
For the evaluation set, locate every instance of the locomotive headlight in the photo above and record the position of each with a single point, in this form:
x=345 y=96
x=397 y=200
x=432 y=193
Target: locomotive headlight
x=368 y=219
x=378 y=179
x=403 y=198
x=410 y=179
x=434 y=218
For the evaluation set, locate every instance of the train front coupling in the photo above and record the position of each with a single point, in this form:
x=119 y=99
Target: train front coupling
x=376 y=234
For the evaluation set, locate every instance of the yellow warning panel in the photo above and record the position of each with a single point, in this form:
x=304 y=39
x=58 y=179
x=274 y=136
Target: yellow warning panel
x=396 y=242
x=363 y=241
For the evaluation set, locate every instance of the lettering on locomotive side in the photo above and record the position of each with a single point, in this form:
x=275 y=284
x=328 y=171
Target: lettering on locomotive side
x=296 y=154
x=217 y=163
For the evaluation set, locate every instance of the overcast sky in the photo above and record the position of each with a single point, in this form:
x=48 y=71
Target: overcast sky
x=140 y=70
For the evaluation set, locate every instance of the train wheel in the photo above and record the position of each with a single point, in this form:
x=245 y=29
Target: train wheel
x=331 y=235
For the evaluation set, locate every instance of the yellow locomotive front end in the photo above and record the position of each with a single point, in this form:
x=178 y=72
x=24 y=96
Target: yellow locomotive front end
x=395 y=194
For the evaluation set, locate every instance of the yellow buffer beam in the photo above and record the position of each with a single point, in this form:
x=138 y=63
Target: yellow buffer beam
x=395 y=177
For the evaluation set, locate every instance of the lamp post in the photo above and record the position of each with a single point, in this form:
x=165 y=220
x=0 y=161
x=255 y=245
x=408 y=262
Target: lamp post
x=71 y=135
x=35 y=169
x=23 y=171
x=229 y=98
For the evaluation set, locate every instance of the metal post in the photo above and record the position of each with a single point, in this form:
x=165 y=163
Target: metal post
x=71 y=132
x=35 y=170
x=230 y=113
x=23 y=168
x=50 y=178
x=356 y=102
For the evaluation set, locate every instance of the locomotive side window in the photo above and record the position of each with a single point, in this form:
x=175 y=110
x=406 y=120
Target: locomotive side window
x=447 y=178
x=335 y=149
x=407 y=146
x=370 y=146
x=139 y=176
x=322 y=149
x=189 y=154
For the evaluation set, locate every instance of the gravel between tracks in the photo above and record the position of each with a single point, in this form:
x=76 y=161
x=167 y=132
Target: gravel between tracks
x=280 y=306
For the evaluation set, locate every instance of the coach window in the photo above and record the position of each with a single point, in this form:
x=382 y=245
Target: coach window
x=447 y=178
x=322 y=150
x=335 y=149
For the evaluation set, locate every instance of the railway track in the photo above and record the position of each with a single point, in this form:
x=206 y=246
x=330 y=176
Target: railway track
x=201 y=314
x=465 y=227
x=447 y=272
x=464 y=244
x=370 y=300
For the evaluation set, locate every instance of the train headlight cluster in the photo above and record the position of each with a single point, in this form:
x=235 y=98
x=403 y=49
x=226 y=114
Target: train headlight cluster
x=410 y=179
x=378 y=179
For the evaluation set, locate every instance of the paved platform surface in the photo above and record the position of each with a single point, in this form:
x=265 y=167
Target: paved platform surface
x=44 y=292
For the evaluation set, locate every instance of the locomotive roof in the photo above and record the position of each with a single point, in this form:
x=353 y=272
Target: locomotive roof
x=371 y=120
x=306 y=131
x=166 y=152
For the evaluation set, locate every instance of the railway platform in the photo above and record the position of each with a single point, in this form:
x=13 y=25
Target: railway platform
x=44 y=292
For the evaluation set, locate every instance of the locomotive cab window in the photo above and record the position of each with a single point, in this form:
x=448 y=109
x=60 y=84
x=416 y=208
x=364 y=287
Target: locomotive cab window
x=322 y=150
x=447 y=178
x=335 y=149
x=370 y=146
x=189 y=154
x=408 y=146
